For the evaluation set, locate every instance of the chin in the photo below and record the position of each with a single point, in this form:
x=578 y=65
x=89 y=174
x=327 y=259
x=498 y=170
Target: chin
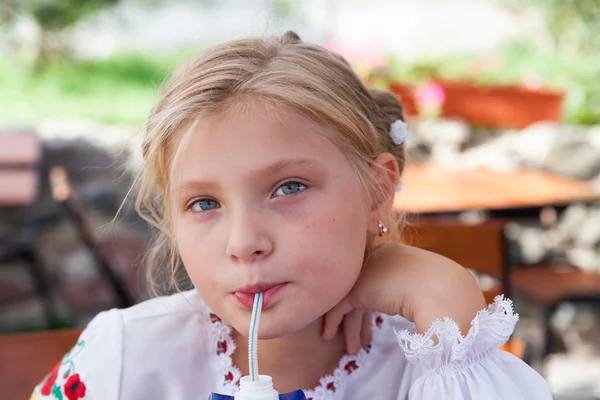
x=274 y=325
x=277 y=325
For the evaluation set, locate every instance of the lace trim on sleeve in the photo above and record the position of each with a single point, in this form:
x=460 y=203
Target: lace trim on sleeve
x=490 y=329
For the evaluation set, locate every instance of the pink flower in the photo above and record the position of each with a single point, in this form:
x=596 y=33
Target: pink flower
x=430 y=95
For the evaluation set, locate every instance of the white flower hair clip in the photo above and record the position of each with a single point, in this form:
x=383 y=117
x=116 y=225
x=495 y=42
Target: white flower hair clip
x=399 y=132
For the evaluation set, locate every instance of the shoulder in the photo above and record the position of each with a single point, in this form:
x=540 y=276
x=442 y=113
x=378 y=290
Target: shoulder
x=168 y=341
x=178 y=305
x=116 y=343
x=158 y=321
x=91 y=368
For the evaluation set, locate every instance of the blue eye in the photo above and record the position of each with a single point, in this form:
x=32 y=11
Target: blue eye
x=289 y=188
x=202 y=205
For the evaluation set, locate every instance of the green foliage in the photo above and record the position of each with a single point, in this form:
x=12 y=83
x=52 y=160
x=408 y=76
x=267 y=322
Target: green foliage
x=121 y=89
x=52 y=18
x=571 y=24
x=54 y=15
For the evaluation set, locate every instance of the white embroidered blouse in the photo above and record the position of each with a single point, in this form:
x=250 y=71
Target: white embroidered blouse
x=175 y=348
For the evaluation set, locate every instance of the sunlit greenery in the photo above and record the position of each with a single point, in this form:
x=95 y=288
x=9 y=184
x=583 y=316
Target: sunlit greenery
x=120 y=89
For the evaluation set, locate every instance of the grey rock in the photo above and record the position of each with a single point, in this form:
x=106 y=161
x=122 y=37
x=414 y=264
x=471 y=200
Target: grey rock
x=528 y=243
x=480 y=136
x=571 y=219
x=446 y=154
x=593 y=137
x=496 y=154
x=434 y=131
x=589 y=230
x=573 y=156
x=587 y=259
x=533 y=144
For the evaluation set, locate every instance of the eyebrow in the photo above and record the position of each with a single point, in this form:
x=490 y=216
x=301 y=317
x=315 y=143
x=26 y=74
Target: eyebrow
x=271 y=169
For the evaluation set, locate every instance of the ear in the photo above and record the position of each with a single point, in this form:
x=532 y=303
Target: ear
x=386 y=172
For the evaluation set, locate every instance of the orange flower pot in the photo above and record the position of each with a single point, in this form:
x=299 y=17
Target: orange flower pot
x=496 y=106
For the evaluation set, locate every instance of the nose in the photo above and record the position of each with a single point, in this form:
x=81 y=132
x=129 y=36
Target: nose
x=249 y=240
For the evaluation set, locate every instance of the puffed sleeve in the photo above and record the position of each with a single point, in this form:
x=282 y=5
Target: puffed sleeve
x=91 y=370
x=471 y=366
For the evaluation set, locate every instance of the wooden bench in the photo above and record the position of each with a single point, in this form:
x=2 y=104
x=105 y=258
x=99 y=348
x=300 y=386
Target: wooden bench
x=26 y=358
x=20 y=181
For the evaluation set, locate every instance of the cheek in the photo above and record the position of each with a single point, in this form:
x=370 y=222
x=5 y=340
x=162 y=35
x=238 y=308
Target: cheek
x=199 y=258
x=331 y=241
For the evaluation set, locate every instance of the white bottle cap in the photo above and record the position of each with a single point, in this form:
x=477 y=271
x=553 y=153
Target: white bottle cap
x=262 y=389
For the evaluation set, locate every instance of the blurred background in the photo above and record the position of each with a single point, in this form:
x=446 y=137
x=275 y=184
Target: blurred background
x=502 y=98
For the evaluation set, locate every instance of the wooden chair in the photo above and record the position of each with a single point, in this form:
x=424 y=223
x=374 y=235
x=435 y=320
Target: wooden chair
x=20 y=182
x=26 y=358
x=73 y=208
x=479 y=248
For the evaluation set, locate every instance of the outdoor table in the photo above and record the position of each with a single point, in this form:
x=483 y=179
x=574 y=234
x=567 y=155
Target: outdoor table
x=430 y=188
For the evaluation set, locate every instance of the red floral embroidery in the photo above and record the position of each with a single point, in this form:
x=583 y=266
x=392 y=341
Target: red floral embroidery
x=222 y=347
x=350 y=367
x=47 y=388
x=229 y=377
x=379 y=321
x=330 y=386
x=74 y=388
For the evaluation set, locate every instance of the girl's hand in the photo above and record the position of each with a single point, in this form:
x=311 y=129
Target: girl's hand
x=401 y=280
x=357 y=326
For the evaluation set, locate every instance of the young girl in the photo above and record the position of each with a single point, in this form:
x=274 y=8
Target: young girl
x=270 y=167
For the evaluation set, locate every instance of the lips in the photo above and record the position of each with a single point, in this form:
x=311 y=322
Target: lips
x=260 y=287
x=270 y=291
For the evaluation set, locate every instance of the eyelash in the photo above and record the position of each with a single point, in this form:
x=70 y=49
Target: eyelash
x=189 y=206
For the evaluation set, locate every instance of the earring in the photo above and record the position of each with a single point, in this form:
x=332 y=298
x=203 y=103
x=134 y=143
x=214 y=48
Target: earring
x=382 y=229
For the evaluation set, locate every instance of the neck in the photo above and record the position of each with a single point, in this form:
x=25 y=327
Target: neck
x=296 y=361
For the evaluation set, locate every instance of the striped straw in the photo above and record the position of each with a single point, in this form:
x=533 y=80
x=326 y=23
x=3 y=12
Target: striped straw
x=253 y=336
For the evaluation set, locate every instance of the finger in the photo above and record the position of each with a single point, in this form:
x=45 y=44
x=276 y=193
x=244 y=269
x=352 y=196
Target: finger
x=334 y=318
x=352 y=327
x=367 y=328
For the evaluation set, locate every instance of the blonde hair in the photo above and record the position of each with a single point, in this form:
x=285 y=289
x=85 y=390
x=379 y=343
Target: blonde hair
x=281 y=70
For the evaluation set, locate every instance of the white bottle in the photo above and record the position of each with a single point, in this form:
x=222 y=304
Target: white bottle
x=262 y=389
